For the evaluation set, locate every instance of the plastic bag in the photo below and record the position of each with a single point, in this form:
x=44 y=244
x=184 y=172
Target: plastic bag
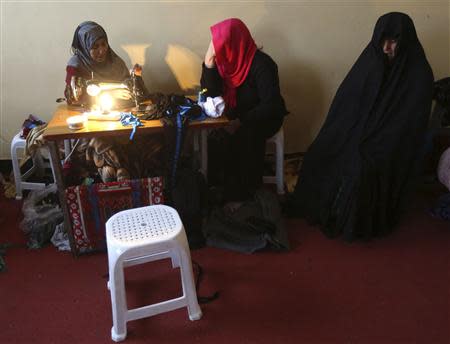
x=60 y=238
x=42 y=214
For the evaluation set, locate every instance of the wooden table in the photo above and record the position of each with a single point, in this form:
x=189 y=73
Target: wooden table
x=57 y=130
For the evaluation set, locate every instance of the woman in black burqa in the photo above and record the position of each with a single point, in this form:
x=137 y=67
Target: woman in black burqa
x=356 y=174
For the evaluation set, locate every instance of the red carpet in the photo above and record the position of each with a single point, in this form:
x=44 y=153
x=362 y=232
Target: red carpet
x=391 y=290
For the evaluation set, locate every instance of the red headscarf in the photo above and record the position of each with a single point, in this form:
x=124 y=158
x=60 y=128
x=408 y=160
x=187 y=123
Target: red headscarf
x=235 y=49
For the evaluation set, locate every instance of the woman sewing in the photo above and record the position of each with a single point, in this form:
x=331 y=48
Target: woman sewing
x=94 y=59
x=111 y=158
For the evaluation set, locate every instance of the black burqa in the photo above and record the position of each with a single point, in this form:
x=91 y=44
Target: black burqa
x=356 y=174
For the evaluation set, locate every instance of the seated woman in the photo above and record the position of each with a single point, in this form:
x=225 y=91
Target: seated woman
x=112 y=158
x=356 y=175
x=93 y=58
x=248 y=80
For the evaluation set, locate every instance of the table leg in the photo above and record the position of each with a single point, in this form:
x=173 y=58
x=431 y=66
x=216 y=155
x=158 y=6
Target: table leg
x=59 y=180
x=67 y=147
x=204 y=152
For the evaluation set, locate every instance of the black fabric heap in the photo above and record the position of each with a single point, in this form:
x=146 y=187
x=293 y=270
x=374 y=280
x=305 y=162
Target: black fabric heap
x=158 y=109
x=255 y=225
x=356 y=173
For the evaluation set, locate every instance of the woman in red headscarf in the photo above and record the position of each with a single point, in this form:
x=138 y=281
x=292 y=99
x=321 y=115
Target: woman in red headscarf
x=247 y=78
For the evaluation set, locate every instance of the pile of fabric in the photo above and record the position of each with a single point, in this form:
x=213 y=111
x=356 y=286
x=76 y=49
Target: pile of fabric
x=110 y=159
x=248 y=227
x=42 y=214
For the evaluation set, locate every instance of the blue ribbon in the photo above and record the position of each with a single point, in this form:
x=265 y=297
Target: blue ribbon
x=127 y=118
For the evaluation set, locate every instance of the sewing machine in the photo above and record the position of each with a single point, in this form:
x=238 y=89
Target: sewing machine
x=101 y=100
x=104 y=96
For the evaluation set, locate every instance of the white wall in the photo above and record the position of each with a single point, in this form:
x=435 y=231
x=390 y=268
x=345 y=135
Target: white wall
x=314 y=43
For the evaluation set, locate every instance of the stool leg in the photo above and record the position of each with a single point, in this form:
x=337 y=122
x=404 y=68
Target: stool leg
x=187 y=281
x=16 y=170
x=175 y=258
x=118 y=302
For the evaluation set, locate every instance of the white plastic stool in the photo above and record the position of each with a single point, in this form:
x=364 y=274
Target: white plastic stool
x=142 y=235
x=278 y=179
x=38 y=165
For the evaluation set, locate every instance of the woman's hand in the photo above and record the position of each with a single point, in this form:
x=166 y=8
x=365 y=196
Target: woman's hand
x=210 y=57
x=122 y=94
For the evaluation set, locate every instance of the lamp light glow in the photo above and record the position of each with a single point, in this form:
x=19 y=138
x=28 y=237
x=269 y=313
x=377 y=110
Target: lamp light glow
x=93 y=90
x=106 y=102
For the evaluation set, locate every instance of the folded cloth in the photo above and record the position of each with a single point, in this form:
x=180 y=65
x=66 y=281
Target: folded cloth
x=29 y=123
x=213 y=107
x=35 y=140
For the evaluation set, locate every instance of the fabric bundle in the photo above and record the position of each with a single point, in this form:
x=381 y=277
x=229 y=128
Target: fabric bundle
x=254 y=225
x=213 y=107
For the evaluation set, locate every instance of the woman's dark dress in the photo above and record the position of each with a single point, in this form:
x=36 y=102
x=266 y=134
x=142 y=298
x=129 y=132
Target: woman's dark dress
x=261 y=109
x=356 y=174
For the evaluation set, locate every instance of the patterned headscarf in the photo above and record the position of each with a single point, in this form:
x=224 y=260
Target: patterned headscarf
x=112 y=69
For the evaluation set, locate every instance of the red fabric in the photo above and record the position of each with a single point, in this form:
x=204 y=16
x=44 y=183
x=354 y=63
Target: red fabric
x=235 y=49
x=91 y=206
x=70 y=71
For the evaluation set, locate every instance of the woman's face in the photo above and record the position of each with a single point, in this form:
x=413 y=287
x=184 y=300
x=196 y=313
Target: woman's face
x=99 y=50
x=390 y=48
